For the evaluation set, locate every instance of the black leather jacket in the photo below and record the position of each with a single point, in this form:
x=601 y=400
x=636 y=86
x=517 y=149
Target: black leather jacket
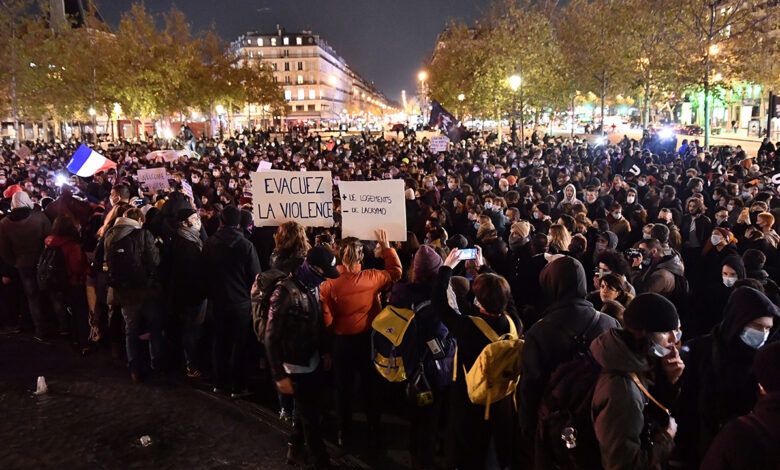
x=295 y=330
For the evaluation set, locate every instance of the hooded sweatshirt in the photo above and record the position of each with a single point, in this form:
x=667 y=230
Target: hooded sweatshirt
x=618 y=407
x=717 y=384
x=551 y=341
x=150 y=255
x=231 y=265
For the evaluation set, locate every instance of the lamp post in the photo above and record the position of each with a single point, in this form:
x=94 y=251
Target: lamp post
x=516 y=82
x=461 y=97
x=93 y=113
x=422 y=76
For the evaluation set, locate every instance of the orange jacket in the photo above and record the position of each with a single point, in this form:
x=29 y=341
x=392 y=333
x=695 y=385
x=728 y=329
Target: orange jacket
x=351 y=301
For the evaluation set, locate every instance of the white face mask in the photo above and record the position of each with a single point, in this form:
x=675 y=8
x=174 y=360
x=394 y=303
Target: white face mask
x=647 y=236
x=617 y=215
x=729 y=281
x=753 y=338
x=715 y=240
x=640 y=183
x=660 y=351
x=630 y=199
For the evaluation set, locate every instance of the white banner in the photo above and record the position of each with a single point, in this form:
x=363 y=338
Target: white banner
x=155 y=179
x=367 y=206
x=439 y=143
x=280 y=196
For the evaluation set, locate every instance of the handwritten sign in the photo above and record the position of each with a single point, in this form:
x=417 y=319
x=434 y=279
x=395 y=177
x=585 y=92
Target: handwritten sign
x=280 y=196
x=367 y=206
x=439 y=143
x=185 y=185
x=154 y=179
x=264 y=165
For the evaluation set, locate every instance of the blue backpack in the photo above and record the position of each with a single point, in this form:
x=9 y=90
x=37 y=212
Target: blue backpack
x=405 y=347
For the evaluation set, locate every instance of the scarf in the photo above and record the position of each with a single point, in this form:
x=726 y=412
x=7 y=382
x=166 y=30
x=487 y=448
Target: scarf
x=189 y=233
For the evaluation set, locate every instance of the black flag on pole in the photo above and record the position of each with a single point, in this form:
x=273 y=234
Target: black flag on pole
x=445 y=121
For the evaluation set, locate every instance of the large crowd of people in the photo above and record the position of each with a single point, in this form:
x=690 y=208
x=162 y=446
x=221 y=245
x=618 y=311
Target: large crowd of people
x=642 y=288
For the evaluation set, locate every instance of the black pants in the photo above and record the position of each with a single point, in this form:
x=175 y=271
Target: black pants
x=426 y=428
x=352 y=358
x=75 y=299
x=232 y=326
x=306 y=421
x=475 y=438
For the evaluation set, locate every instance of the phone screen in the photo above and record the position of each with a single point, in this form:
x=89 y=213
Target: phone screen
x=467 y=253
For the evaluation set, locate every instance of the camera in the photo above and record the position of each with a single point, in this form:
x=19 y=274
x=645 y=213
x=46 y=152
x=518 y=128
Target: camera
x=632 y=253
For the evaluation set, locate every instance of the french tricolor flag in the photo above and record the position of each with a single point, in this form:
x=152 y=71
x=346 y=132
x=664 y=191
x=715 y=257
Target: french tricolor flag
x=87 y=162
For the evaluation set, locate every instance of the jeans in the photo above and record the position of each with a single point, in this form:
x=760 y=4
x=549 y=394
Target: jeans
x=351 y=358
x=306 y=422
x=73 y=298
x=135 y=314
x=30 y=287
x=232 y=327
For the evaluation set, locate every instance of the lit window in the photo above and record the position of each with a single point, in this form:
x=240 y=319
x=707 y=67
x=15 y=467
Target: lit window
x=312 y=94
x=287 y=95
x=301 y=94
x=251 y=54
x=273 y=41
x=299 y=41
x=273 y=66
x=260 y=42
x=300 y=79
x=286 y=41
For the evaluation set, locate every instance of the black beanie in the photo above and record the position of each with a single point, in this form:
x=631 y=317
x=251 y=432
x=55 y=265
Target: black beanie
x=766 y=367
x=231 y=216
x=651 y=312
x=184 y=214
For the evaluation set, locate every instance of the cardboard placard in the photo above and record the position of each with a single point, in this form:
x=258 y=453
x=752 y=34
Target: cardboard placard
x=439 y=143
x=154 y=179
x=280 y=196
x=367 y=206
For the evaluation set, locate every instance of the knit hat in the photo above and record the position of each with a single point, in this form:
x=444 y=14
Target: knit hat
x=766 y=367
x=231 y=216
x=544 y=208
x=651 y=312
x=324 y=259
x=409 y=194
x=21 y=199
x=11 y=190
x=184 y=214
x=426 y=263
x=523 y=228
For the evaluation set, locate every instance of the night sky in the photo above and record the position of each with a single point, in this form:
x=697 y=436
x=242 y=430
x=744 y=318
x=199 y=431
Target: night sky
x=386 y=41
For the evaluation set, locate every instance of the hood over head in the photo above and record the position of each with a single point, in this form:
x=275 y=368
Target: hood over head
x=745 y=305
x=563 y=278
x=612 y=351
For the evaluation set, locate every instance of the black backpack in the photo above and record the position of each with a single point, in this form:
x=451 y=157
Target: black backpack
x=565 y=438
x=263 y=287
x=52 y=272
x=679 y=296
x=123 y=259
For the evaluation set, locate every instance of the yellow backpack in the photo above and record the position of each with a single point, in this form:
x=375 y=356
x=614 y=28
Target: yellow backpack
x=496 y=371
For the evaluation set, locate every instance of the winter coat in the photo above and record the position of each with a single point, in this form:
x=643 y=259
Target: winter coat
x=659 y=277
x=75 y=259
x=187 y=273
x=703 y=230
x=351 y=301
x=551 y=341
x=286 y=261
x=231 y=265
x=717 y=385
x=749 y=442
x=618 y=407
x=295 y=330
x=22 y=233
x=150 y=258
x=494 y=251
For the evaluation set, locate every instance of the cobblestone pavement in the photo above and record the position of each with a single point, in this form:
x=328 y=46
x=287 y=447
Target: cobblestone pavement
x=93 y=417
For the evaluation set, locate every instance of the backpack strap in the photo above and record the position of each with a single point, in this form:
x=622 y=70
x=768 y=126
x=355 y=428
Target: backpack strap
x=591 y=326
x=417 y=308
x=638 y=383
x=489 y=332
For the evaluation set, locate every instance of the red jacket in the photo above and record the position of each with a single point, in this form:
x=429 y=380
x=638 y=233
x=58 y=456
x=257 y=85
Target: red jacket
x=75 y=260
x=351 y=301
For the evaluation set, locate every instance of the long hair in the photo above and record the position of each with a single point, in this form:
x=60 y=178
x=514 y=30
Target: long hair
x=351 y=252
x=560 y=237
x=291 y=236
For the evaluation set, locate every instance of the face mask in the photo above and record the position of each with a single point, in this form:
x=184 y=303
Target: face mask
x=729 y=281
x=590 y=198
x=746 y=194
x=472 y=217
x=647 y=236
x=630 y=199
x=660 y=351
x=536 y=216
x=196 y=225
x=715 y=240
x=753 y=338
x=429 y=185
x=617 y=216
x=730 y=207
x=640 y=183
x=452 y=186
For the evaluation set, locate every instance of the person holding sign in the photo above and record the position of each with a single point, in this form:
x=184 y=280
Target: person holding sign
x=349 y=305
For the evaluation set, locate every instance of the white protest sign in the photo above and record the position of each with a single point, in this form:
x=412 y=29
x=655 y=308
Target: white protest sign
x=367 y=206
x=185 y=185
x=281 y=196
x=264 y=165
x=154 y=178
x=439 y=143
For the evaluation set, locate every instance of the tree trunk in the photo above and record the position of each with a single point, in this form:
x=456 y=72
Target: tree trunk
x=603 y=98
x=646 y=112
x=498 y=123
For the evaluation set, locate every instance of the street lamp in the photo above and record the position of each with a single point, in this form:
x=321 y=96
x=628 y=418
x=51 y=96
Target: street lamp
x=422 y=76
x=93 y=113
x=461 y=97
x=515 y=82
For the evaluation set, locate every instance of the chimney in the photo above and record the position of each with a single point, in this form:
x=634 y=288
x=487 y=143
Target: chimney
x=279 y=30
